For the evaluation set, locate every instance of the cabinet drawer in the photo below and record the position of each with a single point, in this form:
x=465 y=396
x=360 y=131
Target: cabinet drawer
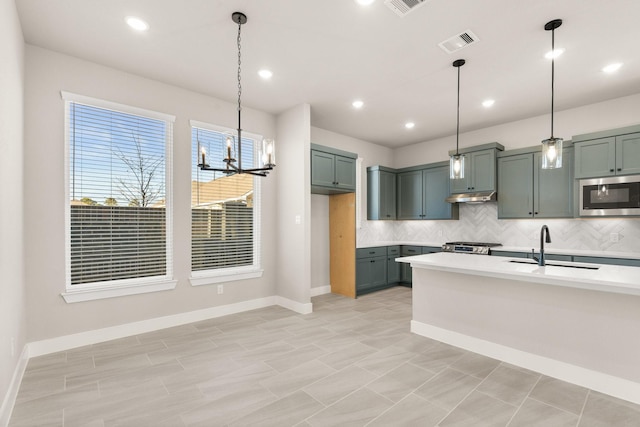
x=371 y=252
x=393 y=250
x=411 y=250
x=431 y=249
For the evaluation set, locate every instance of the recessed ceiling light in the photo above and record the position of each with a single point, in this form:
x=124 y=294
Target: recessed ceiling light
x=265 y=74
x=137 y=23
x=554 y=53
x=488 y=103
x=612 y=68
x=409 y=125
x=357 y=104
x=364 y=2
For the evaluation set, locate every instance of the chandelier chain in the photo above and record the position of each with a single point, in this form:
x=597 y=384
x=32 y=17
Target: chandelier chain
x=239 y=68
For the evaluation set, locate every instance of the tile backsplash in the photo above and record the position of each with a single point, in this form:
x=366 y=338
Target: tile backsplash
x=480 y=223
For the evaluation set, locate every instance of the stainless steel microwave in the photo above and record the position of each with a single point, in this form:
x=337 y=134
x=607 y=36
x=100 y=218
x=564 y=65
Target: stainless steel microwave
x=611 y=196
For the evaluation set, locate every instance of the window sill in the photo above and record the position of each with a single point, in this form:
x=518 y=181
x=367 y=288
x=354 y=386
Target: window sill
x=208 y=278
x=112 y=291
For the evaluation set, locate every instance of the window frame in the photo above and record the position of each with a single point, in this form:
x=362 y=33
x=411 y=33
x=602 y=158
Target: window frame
x=213 y=276
x=115 y=288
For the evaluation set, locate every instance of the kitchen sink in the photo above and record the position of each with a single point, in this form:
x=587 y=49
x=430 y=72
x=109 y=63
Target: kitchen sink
x=532 y=262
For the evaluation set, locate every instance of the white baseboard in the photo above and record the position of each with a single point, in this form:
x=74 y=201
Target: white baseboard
x=320 y=290
x=595 y=380
x=39 y=348
x=296 y=306
x=14 y=386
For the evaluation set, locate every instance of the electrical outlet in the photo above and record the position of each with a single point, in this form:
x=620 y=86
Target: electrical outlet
x=220 y=289
x=13 y=347
x=440 y=233
x=614 y=237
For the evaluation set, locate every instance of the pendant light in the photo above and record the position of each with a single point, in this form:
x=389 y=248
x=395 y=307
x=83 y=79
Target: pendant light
x=552 y=147
x=456 y=161
x=233 y=143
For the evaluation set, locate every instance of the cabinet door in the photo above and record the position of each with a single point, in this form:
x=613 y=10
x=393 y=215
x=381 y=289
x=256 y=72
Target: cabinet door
x=387 y=195
x=515 y=186
x=406 y=273
x=322 y=169
x=436 y=189
x=345 y=173
x=595 y=158
x=553 y=190
x=410 y=195
x=628 y=154
x=483 y=171
x=393 y=271
x=363 y=274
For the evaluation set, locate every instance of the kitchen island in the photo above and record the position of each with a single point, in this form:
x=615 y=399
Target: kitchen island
x=581 y=325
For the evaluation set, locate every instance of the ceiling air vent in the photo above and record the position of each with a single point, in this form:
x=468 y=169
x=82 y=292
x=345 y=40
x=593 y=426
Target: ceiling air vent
x=402 y=7
x=458 y=42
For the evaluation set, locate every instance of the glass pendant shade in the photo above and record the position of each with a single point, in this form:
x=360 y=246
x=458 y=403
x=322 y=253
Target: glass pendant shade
x=552 y=153
x=456 y=166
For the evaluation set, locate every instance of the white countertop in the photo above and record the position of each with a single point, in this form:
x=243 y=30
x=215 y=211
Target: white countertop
x=607 y=278
x=549 y=249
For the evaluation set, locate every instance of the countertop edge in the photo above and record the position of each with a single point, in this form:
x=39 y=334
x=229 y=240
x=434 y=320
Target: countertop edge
x=428 y=261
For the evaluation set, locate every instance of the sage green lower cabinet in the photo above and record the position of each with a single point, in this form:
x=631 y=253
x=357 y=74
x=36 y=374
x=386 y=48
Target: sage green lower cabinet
x=371 y=269
x=605 y=260
x=525 y=190
x=393 y=267
x=405 y=273
x=422 y=193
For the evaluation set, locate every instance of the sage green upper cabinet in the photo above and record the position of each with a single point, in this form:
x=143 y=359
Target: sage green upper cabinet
x=436 y=184
x=515 y=186
x=410 y=195
x=609 y=155
x=525 y=190
x=421 y=194
x=332 y=171
x=381 y=193
x=479 y=172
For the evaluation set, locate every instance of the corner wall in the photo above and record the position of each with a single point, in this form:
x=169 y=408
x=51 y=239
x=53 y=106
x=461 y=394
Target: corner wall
x=294 y=208
x=12 y=287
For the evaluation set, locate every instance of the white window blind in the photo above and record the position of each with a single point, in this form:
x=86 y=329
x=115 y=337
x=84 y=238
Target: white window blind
x=224 y=208
x=119 y=218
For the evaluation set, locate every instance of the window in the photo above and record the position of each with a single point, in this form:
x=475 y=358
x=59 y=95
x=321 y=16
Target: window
x=225 y=210
x=119 y=194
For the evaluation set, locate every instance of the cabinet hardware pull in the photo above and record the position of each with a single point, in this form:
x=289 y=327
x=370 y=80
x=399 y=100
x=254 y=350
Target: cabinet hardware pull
x=619 y=169
x=610 y=170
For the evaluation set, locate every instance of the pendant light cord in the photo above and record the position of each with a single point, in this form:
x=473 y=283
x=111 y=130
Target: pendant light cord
x=553 y=61
x=458 y=118
x=239 y=97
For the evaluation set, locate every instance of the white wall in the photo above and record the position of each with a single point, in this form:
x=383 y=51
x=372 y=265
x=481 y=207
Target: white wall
x=12 y=288
x=605 y=115
x=294 y=195
x=47 y=73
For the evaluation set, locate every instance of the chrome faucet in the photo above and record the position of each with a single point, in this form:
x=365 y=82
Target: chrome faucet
x=540 y=259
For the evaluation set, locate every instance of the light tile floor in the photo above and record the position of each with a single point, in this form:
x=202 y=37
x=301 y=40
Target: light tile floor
x=350 y=363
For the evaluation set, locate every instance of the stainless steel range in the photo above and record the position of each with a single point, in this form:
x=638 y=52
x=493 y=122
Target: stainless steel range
x=478 y=248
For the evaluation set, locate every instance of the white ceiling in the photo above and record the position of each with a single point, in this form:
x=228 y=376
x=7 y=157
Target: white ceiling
x=329 y=52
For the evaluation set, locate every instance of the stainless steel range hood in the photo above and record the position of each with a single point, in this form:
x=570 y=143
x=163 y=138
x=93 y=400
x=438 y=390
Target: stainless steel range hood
x=481 y=197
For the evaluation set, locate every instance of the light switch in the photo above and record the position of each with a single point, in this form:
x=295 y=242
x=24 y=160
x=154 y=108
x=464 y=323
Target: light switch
x=298 y=219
